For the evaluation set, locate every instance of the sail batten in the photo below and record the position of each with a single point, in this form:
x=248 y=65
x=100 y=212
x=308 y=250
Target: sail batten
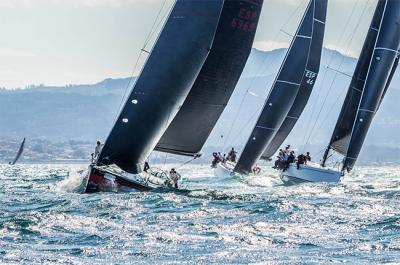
x=214 y=86
x=282 y=96
x=165 y=81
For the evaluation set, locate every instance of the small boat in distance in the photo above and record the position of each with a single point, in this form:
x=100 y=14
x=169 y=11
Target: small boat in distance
x=19 y=153
x=375 y=69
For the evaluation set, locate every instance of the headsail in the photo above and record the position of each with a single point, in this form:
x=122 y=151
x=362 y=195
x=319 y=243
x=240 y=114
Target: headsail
x=19 y=153
x=307 y=84
x=341 y=135
x=165 y=81
x=385 y=54
x=284 y=89
x=210 y=93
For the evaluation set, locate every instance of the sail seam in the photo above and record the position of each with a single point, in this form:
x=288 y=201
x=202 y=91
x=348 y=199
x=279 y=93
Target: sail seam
x=291 y=117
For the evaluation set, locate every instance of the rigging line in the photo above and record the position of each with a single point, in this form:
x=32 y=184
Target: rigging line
x=123 y=99
x=187 y=162
x=251 y=85
x=334 y=80
x=320 y=86
x=155 y=25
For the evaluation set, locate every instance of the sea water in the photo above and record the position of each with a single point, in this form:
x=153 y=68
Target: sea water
x=252 y=220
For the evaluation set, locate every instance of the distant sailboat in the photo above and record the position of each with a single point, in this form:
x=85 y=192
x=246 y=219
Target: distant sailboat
x=180 y=93
x=19 y=153
x=375 y=68
x=290 y=91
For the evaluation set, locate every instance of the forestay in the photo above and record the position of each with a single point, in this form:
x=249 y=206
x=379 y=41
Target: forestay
x=164 y=83
x=284 y=90
x=210 y=93
x=383 y=64
x=341 y=134
x=307 y=84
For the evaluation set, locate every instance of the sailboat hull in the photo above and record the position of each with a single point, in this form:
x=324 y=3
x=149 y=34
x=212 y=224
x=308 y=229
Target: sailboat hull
x=306 y=173
x=99 y=179
x=223 y=171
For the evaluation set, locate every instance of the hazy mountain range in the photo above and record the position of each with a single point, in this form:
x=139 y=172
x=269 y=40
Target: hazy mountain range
x=87 y=112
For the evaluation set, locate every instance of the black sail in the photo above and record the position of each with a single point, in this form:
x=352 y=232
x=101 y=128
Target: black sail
x=164 y=83
x=341 y=134
x=283 y=92
x=214 y=86
x=383 y=61
x=19 y=153
x=307 y=84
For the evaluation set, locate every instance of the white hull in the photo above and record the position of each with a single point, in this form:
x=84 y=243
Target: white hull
x=223 y=170
x=309 y=174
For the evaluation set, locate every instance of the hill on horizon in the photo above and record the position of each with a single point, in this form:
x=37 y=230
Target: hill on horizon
x=87 y=112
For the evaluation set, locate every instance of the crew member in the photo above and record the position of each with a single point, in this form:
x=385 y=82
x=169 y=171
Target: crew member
x=232 y=155
x=97 y=150
x=174 y=177
x=146 y=166
x=308 y=157
x=300 y=160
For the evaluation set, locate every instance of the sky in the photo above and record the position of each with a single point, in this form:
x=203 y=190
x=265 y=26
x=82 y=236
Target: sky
x=59 y=42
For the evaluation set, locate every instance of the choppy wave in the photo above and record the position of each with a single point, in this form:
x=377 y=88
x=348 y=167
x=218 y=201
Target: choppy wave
x=253 y=220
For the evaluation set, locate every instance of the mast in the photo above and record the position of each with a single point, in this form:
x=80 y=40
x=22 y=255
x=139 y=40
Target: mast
x=164 y=83
x=385 y=55
x=307 y=84
x=216 y=82
x=341 y=134
x=284 y=90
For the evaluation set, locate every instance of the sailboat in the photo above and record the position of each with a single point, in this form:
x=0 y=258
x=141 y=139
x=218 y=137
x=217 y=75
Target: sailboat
x=19 y=153
x=374 y=71
x=180 y=93
x=290 y=90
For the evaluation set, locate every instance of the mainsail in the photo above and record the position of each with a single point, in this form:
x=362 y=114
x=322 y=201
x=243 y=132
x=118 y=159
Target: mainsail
x=381 y=69
x=341 y=135
x=307 y=84
x=164 y=83
x=285 y=88
x=210 y=93
x=19 y=153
